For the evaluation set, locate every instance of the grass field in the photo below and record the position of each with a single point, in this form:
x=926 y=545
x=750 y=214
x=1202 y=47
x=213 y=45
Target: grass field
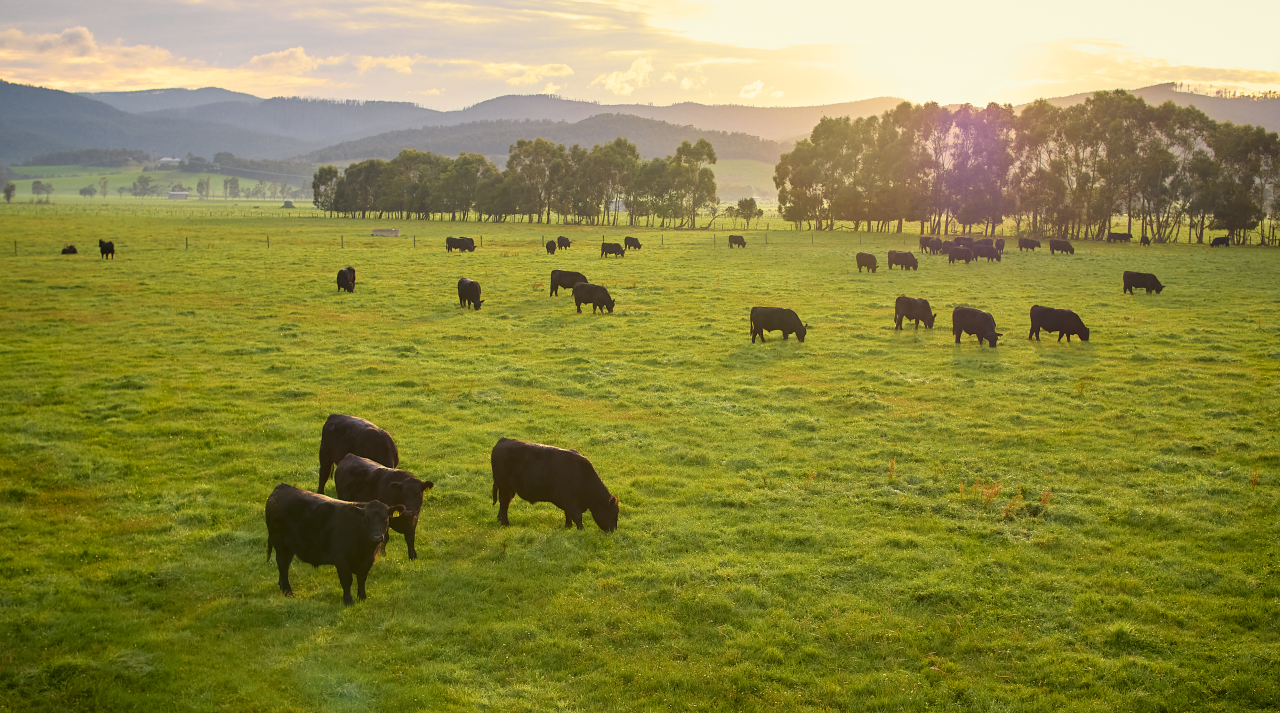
x=869 y=521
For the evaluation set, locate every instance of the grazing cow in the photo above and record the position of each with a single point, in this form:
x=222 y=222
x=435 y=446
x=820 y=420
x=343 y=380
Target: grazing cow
x=1223 y=242
x=595 y=295
x=1000 y=245
x=344 y=435
x=545 y=474
x=612 y=249
x=990 y=242
x=935 y=245
x=551 y=247
x=471 y=244
x=1063 y=321
x=962 y=241
x=904 y=259
x=958 y=253
x=924 y=242
x=565 y=279
x=562 y=242
x=70 y=250
x=1141 y=279
x=321 y=530
x=775 y=319
x=361 y=480
x=347 y=279
x=464 y=244
x=107 y=248
x=469 y=294
x=913 y=308
x=987 y=251
x=1145 y=241
x=737 y=240
x=947 y=247
x=967 y=320
x=1119 y=237
x=1027 y=244
x=630 y=242
x=866 y=260
x=1061 y=246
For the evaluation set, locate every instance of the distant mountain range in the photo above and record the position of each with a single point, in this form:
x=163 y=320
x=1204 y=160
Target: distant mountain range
x=36 y=121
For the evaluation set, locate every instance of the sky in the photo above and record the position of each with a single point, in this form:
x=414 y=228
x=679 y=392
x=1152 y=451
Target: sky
x=449 y=54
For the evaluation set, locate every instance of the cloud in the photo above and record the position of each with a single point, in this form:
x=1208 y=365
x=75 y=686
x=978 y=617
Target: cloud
x=528 y=75
x=623 y=83
x=552 y=88
x=752 y=90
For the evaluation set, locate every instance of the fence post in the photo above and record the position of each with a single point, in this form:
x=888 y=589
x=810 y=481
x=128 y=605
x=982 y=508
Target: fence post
x=342 y=242
x=188 y=247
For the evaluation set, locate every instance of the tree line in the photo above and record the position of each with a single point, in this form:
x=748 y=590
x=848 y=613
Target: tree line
x=1063 y=172
x=543 y=182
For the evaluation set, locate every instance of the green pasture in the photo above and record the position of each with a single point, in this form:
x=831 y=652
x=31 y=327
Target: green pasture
x=872 y=520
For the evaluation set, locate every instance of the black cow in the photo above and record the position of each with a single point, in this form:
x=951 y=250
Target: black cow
x=551 y=247
x=866 y=260
x=595 y=295
x=469 y=294
x=987 y=251
x=70 y=250
x=924 y=242
x=321 y=530
x=107 y=248
x=347 y=279
x=1063 y=321
x=1141 y=279
x=904 y=259
x=612 y=249
x=1223 y=242
x=1145 y=241
x=967 y=320
x=985 y=241
x=544 y=474
x=1028 y=244
x=947 y=247
x=343 y=435
x=1119 y=237
x=737 y=240
x=776 y=319
x=958 y=253
x=562 y=242
x=565 y=279
x=1061 y=246
x=913 y=308
x=360 y=480
x=1000 y=245
x=935 y=245
x=962 y=241
x=630 y=242
x=466 y=245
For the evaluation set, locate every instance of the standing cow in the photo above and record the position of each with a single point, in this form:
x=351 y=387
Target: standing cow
x=108 y=249
x=1061 y=246
x=595 y=295
x=343 y=435
x=1063 y=321
x=1000 y=245
x=737 y=240
x=958 y=253
x=612 y=249
x=1028 y=244
x=466 y=245
x=565 y=279
x=1142 y=280
x=912 y=308
x=1223 y=242
x=775 y=319
x=551 y=247
x=903 y=259
x=987 y=251
x=1145 y=241
x=967 y=320
x=347 y=279
x=1119 y=237
x=935 y=245
x=629 y=242
x=924 y=242
x=866 y=260
x=469 y=294
x=361 y=480
x=320 y=530
x=544 y=474
x=562 y=242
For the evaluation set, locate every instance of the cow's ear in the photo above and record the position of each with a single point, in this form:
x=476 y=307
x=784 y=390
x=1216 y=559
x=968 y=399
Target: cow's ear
x=614 y=499
x=396 y=510
x=427 y=485
x=998 y=334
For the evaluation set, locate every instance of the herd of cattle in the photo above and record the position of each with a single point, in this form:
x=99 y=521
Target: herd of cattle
x=375 y=497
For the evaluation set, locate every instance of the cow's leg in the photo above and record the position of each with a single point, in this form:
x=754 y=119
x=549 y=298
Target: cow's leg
x=573 y=516
x=361 y=576
x=326 y=469
x=957 y=333
x=579 y=307
x=917 y=325
x=568 y=521
x=408 y=540
x=1068 y=335
x=344 y=578
x=284 y=556
x=504 y=502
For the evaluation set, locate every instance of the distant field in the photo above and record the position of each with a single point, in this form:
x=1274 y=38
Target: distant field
x=870 y=520
x=68 y=180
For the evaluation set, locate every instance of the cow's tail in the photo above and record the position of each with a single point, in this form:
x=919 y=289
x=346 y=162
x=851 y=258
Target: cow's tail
x=270 y=544
x=495 y=492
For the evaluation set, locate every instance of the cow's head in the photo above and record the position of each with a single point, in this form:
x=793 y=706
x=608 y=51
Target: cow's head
x=803 y=330
x=409 y=492
x=928 y=321
x=606 y=516
x=993 y=337
x=1083 y=334
x=480 y=302
x=376 y=516
x=609 y=305
x=1159 y=288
